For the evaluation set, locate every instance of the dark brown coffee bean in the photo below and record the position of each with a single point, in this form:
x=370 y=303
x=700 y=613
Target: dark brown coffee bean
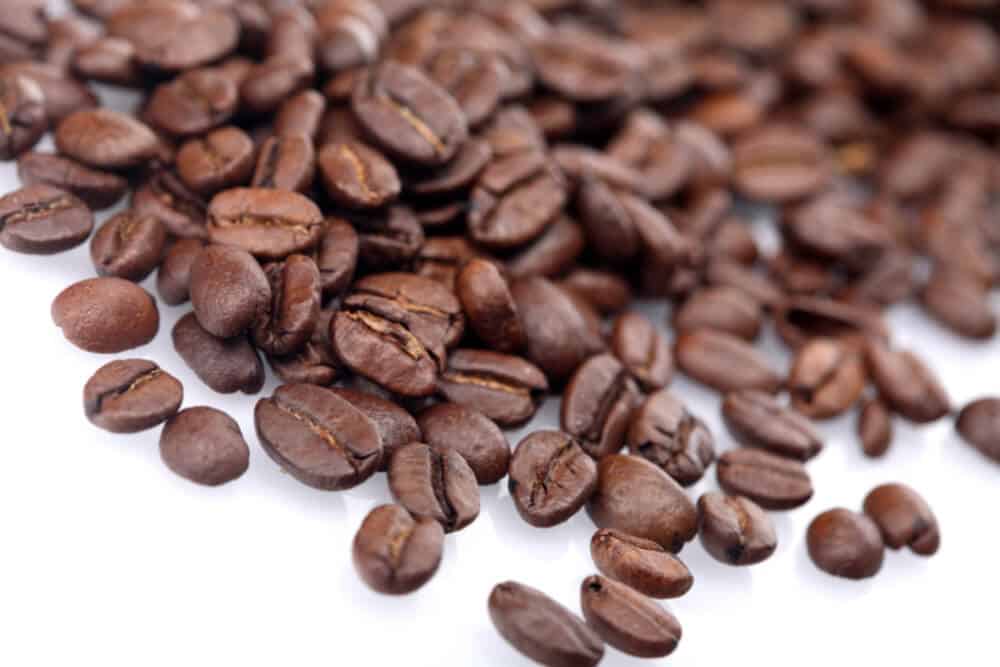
x=357 y=176
x=389 y=239
x=664 y=433
x=314 y=362
x=457 y=175
x=441 y=258
x=845 y=544
x=773 y=482
x=471 y=434
x=268 y=84
x=286 y=162
x=551 y=477
x=98 y=189
x=63 y=94
x=229 y=290
x=874 y=427
x=735 y=530
x=725 y=309
x=724 y=363
x=301 y=114
x=979 y=425
x=174 y=276
x=193 y=103
x=205 y=446
x=474 y=78
x=270 y=224
x=108 y=60
x=731 y=274
x=826 y=379
x=780 y=163
x=904 y=518
x=549 y=255
x=130 y=396
x=642 y=564
x=165 y=197
x=505 y=388
x=582 y=69
x=960 y=302
x=221 y=159
x=317 y=437
x=106 y=315
x=291 y=317
x=486 y=299
x=22 y=108
x=643 y=351
x=628 y=620
x=756 y=419
x=42 y=220
x=434 y=483
x=106 y=139
x=646 y=144
x=608 y=225
x=395 y=426
x=827 y=228
x=128 y=246
x=395 y=553
x=906 y=384
x=609 y=293
x=801 y=318
x=225 y=365
x=598 y=402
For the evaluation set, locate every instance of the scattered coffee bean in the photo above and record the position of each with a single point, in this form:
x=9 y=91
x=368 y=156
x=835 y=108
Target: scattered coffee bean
x=735 y=530
x=979 y=425
x=802 y=318
x=42 y=220
x=551 y=477
x=756 y=419
x=165 y=197
x=664 y=433
x=906 y=384
x=106 y=315
x=773 y=482
x=597 y=405
x=725 y=309
x=98 y=189
x=505 y=388
x=435 y=483
x=205 y=446
x=724 y=363
x=826 y=378
x=875 y=427
x=628 y=620
x=131 y=395
x=468 y=432
x=643 y=351
x=194 y=103
x=904 y=518
x=960 y=302
x=394 y=552
x=609 y=293
x=642 y=564
x=845 y=544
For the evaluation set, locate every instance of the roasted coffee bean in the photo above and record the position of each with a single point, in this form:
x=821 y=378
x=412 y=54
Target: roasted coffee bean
x=357 y=176
x=756 y=419
x=286 y=162
x=290 y=318
x=827 y=228
x=42 y=220
x=845 y=544
x=457 y=175
x=317 y=437
x=268 y=84
x=773 y=482
x=193 y=103
x=904 y=518
x=597 y=405
x=63 y=94
x=724 y=363
x=474 y=78
x=441 y=258
x=128 y=246
x=221 y=159
x=301 y=114
x=505 y=388
x=388 y=239
x=906 y=384
x=24 y=31
x=609 y=293
x=98 y=189
x=106 y=139
x=636 y=497
x=229 y=290
x=109 y=60
x=106 y=315
x=225 y=365
x=960 y=302
x=270 y=224
x=67 y=35
x=643 y=351
x=979 y=425
x=473 y=435
x=205 y=446
x=542 y=629
x=486 y=299
x=582 y=67
x=664 y=433
x=780 y=163
x=165 y=197
x=395 y=426
x=130 y=396
x=22 y=108
x=642 y=564
x=314 y=362
x=725 y=309
x=434 y=483
x=758 y=287
x=551 y=477
x=337 y=257
x=802 y=318
x=607 y=223
x=173 y=278
x=735 y=530
x=551 y=254
x=628 y=620
x=826 y=379
x=874 y=427
x=395 y=553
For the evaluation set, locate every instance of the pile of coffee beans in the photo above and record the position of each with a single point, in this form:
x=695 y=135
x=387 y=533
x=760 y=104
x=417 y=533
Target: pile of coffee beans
x=428 y=216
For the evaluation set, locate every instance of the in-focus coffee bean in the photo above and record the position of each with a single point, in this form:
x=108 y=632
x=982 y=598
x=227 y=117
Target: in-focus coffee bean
x=229 y=290
x=756 y=419
x=643 y=351
x=128 y=246
x=98 y=189
x=505 y=388
x=131 y=395
x=226 y=365
x=628 y=620
x=106 y=315
x=663 y=432
x=735 y=530
x=395 y=553
x=642 y=564
x=551 y=477
x=470 y=433
x=434 y=483
x=43 y=220
x=205 y=446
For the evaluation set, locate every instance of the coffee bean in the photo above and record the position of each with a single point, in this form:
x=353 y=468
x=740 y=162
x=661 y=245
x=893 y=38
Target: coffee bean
x=773 y=482
x=464 y=430
x=317 y=437
x=826 y=378
x=389 y=239
x=269 y=83
x=904 y=518
x=906 y=384
x=845 y=544
x=758 y=287
x=395 y=553
x=800 y=319
x=128 y=246
x=642 y=564
x=337 y=257
x=725 y=309
x=609 y=293
x=599 y=399
x=225 y=365
x=106 y=139
x=42 y=220
x=643 y=351
x=270 y=224
x=395 y=426
x=585 y=70
x=229 y=290
x=290 y=317
x=24 y=30
x=608 y=225
x=106 y=315
x=459 y=174
x=314 y=362
x=63 y=94
x=221 y=159
x=978 y=424
x=551 y=477
x=874 y=427
x=474 y=78
x=98 y=189
x=108 y=60
x=486 y=299
x=756 y=419
x=960 y=302
x=664 y=433
x=22 y=108
x=434 y=483
x=174 y=275
x=549 y=255
x=780 y=163
x=357 y=176
x=833 y=231
x=646 y=144
x=165 y=197
x=130 y=396
x=724 y=363
x=301 y=114
x=541 y=628
x=628 y=620
x=193 y=103
x=286 y=162
x=505 y=388
x=735 y=530
x=205 y=446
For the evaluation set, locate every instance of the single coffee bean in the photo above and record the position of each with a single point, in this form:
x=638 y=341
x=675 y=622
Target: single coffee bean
x=979 y=425
x=725 y=309
x=194 y=103
x=42 y=220
x=732 y=274
x=459 y=174
x=773 y=482
x=301 y=114
x=551 y=477
x=505 y=388
x=357 y=176
x=664 y=433
x=756 y=419
x=229 y=290
x=643 y=351
x=478 y=439
x=128 y=246
x=780 y=163
x=474 y=78
x=108 y=60
x=395 y=426
x=627 y=619
x=960 y=302
x=735 y=530
x=541 y=628
x=642 y=564
x=609 y=294
x=597 y=405
x=225 y=365
x=610 y=229
x=434 y=483
x=829 y=229
x=286 y=162
x=317 y=437
x=551 y=254
x=270 y=224
x=337 y=257
x=800 y=319
x=845 y=544
x=906 y=384
x=106 y=315
x=314 y=362
x=292 y=313
x=826 y=379
x=98 y=189
x=388 y=239
x=173 y=278
x=486 y=299
x=221 y=159
x=636 y=497
x=22 y=108
x=205 y=446
x=165 y=197
x=724 y=362
x=63 y=94
x=874 y=427
x=904 y=518
x=130 y=396
x=395 y=553
x=106 y=139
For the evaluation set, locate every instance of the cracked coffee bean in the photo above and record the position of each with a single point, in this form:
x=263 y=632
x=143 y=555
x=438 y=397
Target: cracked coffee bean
x=205 y=446
x=97 y=189
x=551 y=477
x=286 y=162
x=289 y=319
x=597 y=404
x=826 y=379
x=434 y=483
x=396 y=553
x=664 y=433
x=130 y=396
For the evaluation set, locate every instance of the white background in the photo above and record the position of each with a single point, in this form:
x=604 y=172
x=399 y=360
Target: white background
x=109 y=559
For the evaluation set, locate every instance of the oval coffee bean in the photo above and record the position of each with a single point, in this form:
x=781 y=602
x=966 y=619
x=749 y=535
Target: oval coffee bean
x=904 y=518
x=270 y=224
x=22 y=108
x=229 y=290
x=597 y=405
x=41 y=220
x=642 y=564
x=164 y=196
x=218 y=160
x=773 y=482
x=395 y=553
x=628 y=620
x=337 y=257
x=479 y=440
x=289 y=319
x=193 y=103
x=551 y=477
x=357 y=176
x=131 y=395
x=434 y=483
x=128 y=246
x=395 y=426
x=826 y=379
x=106 y=315
x=724 y=363
x=780 y=163
x=225 y=365
x=756 y=419
x=845 y=544
x=286 y=162
x=106 y=139
x=98 y=189
x=609 y=293
x=643 y=350
x=979 y=425
x=314 y=362
x=875 y=427
x=317 y=437
x=664 y=433
x=489 y=306
x=551 y=254
x=906 y=384
x=173 y=279
x=541 y=628
x=960 y=302
x=637 y=498
x=735 y=530
x=802 y=318
x=725 y=309
x=505 y=388
x=205 y=446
